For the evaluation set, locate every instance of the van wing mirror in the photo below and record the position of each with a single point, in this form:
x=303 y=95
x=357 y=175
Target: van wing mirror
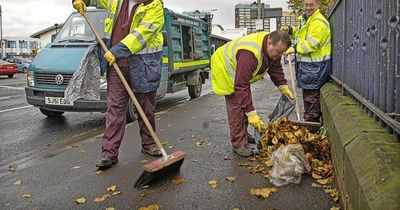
x=53 y=36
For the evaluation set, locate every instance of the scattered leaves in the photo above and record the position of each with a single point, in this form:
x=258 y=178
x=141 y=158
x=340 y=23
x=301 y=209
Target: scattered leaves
x=227 y=158
x=110 y=208
x=230 y=178
x=326 y=181
x=116 y=193
x=251 y=159
x=150 y=207
x=243 y=164
x=262 y=192
x=12 y=168
x=213 y=183
x=76 y=167
x=145 y=187
x=99 y=172
x=194 y=160
x=26 y=195
x=178 y=181
x=269 y=163
x=316 y=185
x=144 y=161
x=19 y=182
x=171 y=147
x=102 y=198
x=334 y=193
x=80 y=200
x=335 y=208
x=112 y=188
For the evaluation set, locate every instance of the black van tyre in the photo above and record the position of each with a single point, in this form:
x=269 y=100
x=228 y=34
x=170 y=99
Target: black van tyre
x=131 y=115
x=10 y=76
x=49 y=113
x=195 y=90
x=24 y=70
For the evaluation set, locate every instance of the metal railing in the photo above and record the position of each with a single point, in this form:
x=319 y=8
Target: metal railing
x=365 y=53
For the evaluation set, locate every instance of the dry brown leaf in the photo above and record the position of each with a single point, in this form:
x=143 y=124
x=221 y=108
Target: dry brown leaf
x=178 y=181
x=112 y=188
x=195 y=160
x=76 y=167
x=230 y=178
x=335 y=208
x=80 y=200
x=213 y=183
x=12 y=168
x=110 y=208
x=316 y=185
x=144 y=161
x=334 y=193
x=101 y=198
x=116 y=193
x=145 y=187
x=227 y=158
x=325 y=181
x=99 y=172
x=200 y=143
x=171 y=147
x=150 y=207
x=26 y=195
x=235 y=209
x=269 y=163
x=19 y=182
x=316 y=176
x=243 y=164
x=251 y=159
x=262 y=192
x=82 y=151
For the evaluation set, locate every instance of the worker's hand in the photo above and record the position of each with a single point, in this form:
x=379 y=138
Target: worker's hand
x=286 y=91
x=288 y=29
x=80 y=6
x=110 y=58
x=254 y=120
x=289 y=51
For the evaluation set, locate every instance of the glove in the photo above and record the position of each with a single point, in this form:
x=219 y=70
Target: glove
x=286 y=91
x=254 y=120
x=80 y=6
x=110 y=58
x=290 y=50
x=288 y=29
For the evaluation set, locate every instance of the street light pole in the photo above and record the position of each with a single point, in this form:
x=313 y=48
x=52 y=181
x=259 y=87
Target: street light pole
x=1 y=34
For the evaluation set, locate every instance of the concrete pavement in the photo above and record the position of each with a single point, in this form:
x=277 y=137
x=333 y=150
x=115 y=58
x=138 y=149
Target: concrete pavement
x=54 y=181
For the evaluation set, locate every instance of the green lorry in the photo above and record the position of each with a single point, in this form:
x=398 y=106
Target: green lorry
x=186 y=59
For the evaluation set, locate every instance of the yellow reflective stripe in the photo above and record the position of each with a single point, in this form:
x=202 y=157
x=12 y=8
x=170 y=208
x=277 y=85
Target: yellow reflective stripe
x=190 y=63
x=165 y=60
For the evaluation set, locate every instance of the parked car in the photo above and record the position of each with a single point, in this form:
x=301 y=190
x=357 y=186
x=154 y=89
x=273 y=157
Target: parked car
x=8 y=69
x=21 y=64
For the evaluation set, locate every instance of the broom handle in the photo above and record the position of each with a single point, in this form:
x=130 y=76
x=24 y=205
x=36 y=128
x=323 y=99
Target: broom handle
x=292 y=76
x=128 y=89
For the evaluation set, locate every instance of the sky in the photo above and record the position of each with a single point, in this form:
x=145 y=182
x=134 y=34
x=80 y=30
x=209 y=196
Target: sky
x=22 y=18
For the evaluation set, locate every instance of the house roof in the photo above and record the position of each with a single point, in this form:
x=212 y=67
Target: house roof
x=39 y=33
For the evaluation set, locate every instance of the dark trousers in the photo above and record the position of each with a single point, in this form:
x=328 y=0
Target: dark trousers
x=237 y=122
x=312 y=109
x=117 y=107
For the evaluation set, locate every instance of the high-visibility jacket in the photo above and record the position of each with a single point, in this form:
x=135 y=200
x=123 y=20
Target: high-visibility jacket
x=313 y=58
x=313 y=38
x=223 y=62
x=145 y=30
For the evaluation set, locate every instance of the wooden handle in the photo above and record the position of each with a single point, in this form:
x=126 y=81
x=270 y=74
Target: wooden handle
x=128 y=89
x=292 y=77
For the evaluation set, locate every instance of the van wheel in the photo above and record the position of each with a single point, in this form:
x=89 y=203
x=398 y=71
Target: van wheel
x=131 y=114
x=195 y=90
x=10 y=76
x=24 y=70
x=49 y=113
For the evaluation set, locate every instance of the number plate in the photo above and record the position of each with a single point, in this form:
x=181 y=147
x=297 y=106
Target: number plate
x=57 y=101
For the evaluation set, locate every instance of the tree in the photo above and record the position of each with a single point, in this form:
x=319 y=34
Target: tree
x=324 y=6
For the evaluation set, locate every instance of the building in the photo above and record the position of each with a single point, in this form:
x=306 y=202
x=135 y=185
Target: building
x=289 y=19
x=18 y=46
x=46 y=34
x=257 y=16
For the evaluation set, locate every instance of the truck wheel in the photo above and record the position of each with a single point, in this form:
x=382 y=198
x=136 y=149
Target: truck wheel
x=24 y=70
x=131 y=115
x=10 y=76
x=49 y=113
x=195 y=90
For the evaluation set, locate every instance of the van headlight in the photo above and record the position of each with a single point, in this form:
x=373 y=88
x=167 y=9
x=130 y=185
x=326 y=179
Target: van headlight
x=29 y=79
x=103 y=82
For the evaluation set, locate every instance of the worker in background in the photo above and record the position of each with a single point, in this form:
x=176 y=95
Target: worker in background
x=313 y=56
x=134 y=37
x=237 y=64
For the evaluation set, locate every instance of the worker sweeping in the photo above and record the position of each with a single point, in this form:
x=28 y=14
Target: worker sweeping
x=136 y=45
x=237 y=64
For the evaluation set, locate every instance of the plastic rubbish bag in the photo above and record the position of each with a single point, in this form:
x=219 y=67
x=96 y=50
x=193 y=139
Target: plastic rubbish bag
x=289 y=164
x=284 y=108
x=85 y=82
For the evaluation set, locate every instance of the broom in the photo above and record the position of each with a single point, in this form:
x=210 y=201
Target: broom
x=168 y=163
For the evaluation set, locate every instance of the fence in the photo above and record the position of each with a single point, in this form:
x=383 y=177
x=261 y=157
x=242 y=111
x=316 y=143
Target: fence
x=365 y=53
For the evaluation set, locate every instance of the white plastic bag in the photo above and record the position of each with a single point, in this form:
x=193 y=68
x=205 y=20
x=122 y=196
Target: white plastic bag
x=289 y=164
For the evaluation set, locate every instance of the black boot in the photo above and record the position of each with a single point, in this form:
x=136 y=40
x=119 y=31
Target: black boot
x=106 y=162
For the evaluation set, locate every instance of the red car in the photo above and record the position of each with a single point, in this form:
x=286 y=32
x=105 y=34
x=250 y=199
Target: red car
x=8 y=69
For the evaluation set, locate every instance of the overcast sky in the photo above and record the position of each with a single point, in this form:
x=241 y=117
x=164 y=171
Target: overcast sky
x=22 y=18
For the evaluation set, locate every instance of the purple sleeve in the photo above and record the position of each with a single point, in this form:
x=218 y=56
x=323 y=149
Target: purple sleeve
x=246 y=65
x=276 y=73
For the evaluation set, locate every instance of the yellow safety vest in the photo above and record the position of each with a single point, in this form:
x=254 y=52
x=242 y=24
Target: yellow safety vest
x=313 y=38
x=145 y=32
x=223 y=62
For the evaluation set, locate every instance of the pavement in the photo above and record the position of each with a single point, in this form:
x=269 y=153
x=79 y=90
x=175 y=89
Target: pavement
x=56 y=180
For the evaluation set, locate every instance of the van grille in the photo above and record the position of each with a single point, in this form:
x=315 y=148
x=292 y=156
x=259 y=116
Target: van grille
x=50 y=78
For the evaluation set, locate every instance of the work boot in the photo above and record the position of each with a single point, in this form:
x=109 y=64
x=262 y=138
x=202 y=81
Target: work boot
x=244 y=151
x=152 y=150
x=106 y=162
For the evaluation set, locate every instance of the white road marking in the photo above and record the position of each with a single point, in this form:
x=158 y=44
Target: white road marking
x=12 y=88
x=13 y=109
